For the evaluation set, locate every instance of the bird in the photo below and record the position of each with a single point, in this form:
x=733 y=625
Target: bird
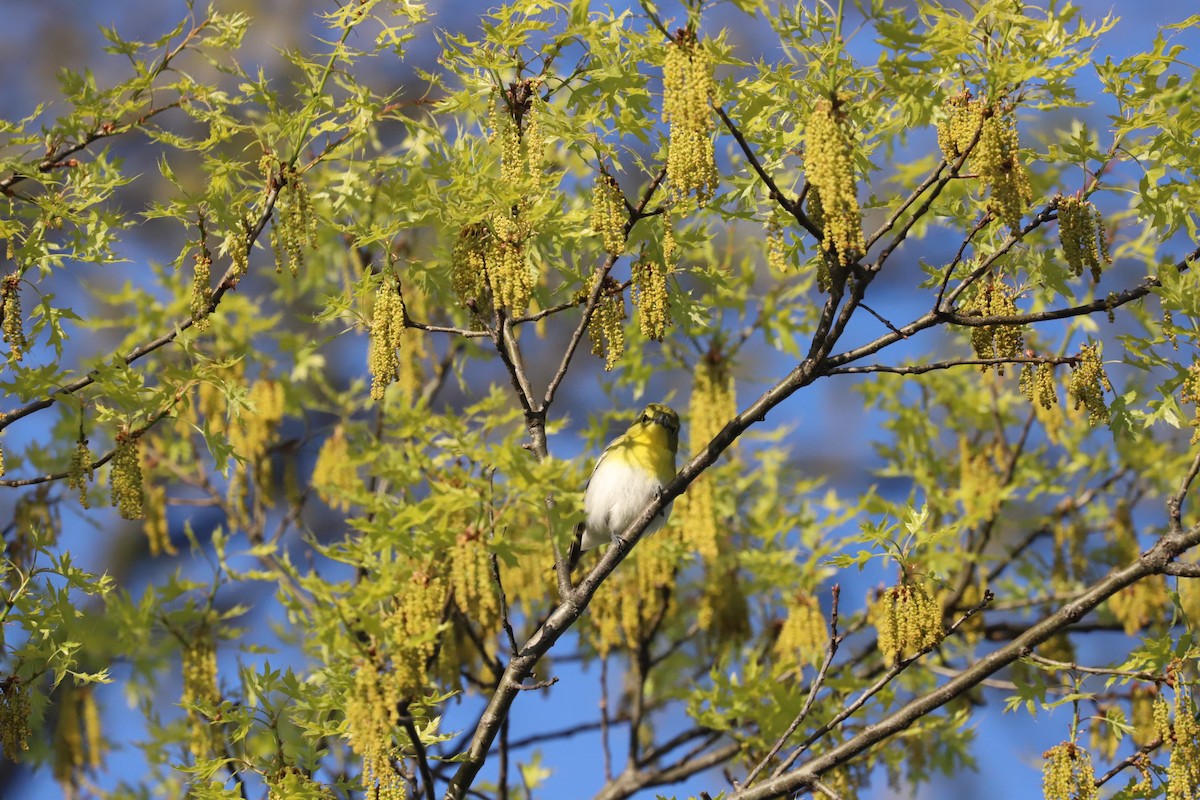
x=630 y=473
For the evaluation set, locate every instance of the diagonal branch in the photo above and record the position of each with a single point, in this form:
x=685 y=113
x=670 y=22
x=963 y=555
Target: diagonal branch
x=1154 y=561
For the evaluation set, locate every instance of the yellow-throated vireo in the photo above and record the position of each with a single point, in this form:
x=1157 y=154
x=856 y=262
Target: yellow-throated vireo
x=631 y=472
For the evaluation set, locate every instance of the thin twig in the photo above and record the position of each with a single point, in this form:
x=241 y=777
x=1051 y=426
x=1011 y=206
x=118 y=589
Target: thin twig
x=920 y=369
x=1175 y=503
x=422 y=758
x=818 y=682
x=508 y=629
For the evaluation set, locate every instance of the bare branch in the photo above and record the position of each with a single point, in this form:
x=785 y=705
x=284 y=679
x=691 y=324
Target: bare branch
x=921 y=369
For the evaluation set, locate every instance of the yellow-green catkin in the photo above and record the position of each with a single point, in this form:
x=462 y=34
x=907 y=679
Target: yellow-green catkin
x=980 y=482
x=409 y=629
x=468 y=263
x=1143 y=701
x=13 y=325
x=804 y=637
x=724 y=611
x=471 y=578
x=14 y=717
x=1146 y=601
x=962 y=117
x=387 y=328
x=1168 y=328
x=158 y=533
x=295 y=225
x=1191 y=394
x=199 y=664
x=372 y=714
x=606 y=327
x=608 y=213
x=1082 y=235
x=335 y=476
x=627 y=606
x=688 y=92
x=776 y=249
x=649 y=295
x=829 y=167
x=1183 y=771
x=1067 y=773
x=78 y=743
x=237 y=245
x=995 y=299
x=82 y=470
x=997 y=160
x=251 y=436
x=712 y=404
x=1037 y=383
x=125 y=477
x=906 y=620
x=201 y=297
x=508 y=270
x=1088 y=383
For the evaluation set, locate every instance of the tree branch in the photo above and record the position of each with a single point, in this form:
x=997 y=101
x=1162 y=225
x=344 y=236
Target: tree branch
x=1151 y=562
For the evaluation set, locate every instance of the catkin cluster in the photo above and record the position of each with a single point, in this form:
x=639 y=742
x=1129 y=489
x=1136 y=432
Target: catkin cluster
x=962 y=118
x=13 y=324
x=608 y=213
x=492 y=254
x=251 y=436
x=829 y=168
x=1141 y=603
x=509 y=273
x=201 y=297
x=1088 y=383
x=372 y=713
x=1144 y=704
x=125 y=477
x=78 y=743
x=82 y=470
x=200 y=688
x=712 y=404
x=409 y=629
x=493 y=257
x=649 y=295
x=1037 y=383
x=1191 y=394
x=1082 y=235
x=724 y=611
x=995 y=299
x=804 y=635
x=776 y=249
x=606 y=328
x=387 y=329
x=14 y=717
x=1183 y=771
x=1067 y=773
x=627 y=606
x=335 y=476
x=157 y=530
x=295 y=225
x=471 y=578
x=980 y=483
x=688 y=91
x=906 y=620
x=468 y=263
x=997 y=159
